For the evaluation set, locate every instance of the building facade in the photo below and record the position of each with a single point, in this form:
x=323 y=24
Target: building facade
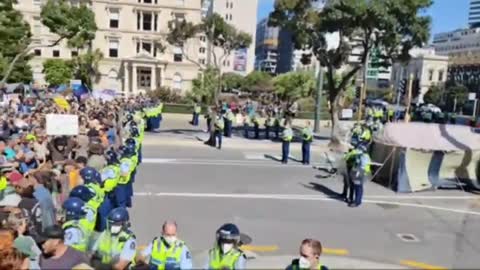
x=242 y=14
x=131 y=34
x=266 y=50
x=474 y=14
x=426 y=67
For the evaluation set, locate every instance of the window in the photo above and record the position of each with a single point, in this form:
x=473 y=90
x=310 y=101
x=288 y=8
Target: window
x=179 y=16
x=147 y=47
x=37 y=2
x=147 y=21
x=145 y=1
x=202 y=50
x=228 y=4
x=177 y=81
x=203 y=39
x=144 y=78
x=440 y=76
x=230 y=16
x=37 y=25
x=430 y=75
x=113 y=48
x=202 y=61
x=56 y=53
x=37 y=52
x=114 y=18
x=74 y=53
x=177 y=54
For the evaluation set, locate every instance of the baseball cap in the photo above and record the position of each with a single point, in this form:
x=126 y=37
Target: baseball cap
x=26 y=246
x=52 y=232
x=15 y=177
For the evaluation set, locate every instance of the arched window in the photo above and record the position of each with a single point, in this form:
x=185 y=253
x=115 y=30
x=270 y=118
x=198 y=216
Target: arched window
x=177 y=81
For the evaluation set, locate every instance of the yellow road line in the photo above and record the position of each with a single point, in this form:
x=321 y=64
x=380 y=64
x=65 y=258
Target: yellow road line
x=420 y=265
x=332 y=251
x=259 y=248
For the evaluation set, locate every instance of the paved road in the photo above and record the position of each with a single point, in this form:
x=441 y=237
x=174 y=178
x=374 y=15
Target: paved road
x=278 y=206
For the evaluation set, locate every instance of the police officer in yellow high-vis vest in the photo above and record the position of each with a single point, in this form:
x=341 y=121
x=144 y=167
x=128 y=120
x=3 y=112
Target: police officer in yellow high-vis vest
x=307 y=138
x=111 y=175
x=226 y=253
x=287 y=137
x=309 y=259
x=115 y=248
x=76 y=226
x=360 y=173
x=167 y=252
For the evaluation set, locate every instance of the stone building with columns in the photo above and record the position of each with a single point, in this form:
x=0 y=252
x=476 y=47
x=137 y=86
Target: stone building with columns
x=129 y=35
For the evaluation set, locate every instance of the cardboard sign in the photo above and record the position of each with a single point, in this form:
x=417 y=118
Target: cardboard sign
x=347 y=113
x=62 y=124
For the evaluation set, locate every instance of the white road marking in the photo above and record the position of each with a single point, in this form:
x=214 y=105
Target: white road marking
x=215 y=162
x=300 y=198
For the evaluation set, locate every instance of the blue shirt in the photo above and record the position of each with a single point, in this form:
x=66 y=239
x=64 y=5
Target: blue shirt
x=10 y=153
x=185 y=258
x=45 y=201
x=111 y=136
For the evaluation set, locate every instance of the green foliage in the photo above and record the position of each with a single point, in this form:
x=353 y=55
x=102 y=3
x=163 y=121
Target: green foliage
x=392 y=27
x=165 y=94
x=76 y=24
x=434 y=95
x=294 y=85
x=204 y=88
x=14 y=36
x=57 y=71
x=458 y=95
x=85 y=67
x=257 y=81
x=232 y=81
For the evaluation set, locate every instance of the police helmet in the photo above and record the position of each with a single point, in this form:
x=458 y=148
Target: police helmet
x=90 y=175
x=112 y=157
x=129 y=117
x=134 y=132
x=74 y=208
x=82 y=192
x=130 y=142
x=118 y=215
x=228 y=232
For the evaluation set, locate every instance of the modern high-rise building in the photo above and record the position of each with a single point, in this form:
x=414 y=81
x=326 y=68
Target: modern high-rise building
x=474 y=14
x=266 y=47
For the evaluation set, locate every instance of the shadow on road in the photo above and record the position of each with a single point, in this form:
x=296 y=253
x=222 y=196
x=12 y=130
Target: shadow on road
x=180 y=131
x=325 y=190
x=272 y=158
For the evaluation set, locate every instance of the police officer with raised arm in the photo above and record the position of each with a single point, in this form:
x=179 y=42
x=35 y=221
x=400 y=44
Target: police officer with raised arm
x=167 y=251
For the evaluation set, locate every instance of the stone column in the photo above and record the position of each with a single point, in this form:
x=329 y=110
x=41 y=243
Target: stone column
x=162 y=76
x=153 y=78
x=134 y=79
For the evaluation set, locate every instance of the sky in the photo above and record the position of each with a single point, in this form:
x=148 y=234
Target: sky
x=446 y=15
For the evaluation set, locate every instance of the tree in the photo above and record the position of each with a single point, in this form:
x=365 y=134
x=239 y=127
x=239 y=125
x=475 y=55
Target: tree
x=76 y=24
x=232 y=81
x=457 y=97
x=224 y=38
x=13 y=32
x=204 y=87
x=435 y=95
x=85 y=67
x=57 y=71
x=392 y=27
x=257 y=81
x=294 y=85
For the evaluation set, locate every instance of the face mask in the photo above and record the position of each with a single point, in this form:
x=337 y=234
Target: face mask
x=303 y=263
x=226 y=248
x=115 y=229
x=170 y=239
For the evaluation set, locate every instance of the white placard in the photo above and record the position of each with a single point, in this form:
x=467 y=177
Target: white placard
x=347 y=113
x=62 y=124
x=472 y=96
